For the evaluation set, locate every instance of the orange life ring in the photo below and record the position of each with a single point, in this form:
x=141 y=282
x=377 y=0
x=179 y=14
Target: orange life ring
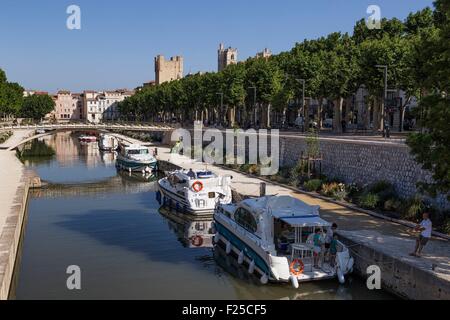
x=297 y=267
x=197 y=186
x=197 y=241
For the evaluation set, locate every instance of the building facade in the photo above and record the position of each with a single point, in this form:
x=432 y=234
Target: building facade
x=68 y=106
x=226 y=57
x=266 y=54
x=168 y=70
x=101 y=106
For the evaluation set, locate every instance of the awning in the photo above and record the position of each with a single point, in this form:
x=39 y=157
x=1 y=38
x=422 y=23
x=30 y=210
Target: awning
x=305 y=221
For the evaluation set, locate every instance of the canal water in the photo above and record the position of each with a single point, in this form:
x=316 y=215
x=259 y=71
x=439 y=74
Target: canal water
x=111 y=226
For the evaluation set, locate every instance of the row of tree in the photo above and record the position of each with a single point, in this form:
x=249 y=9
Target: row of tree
x=333 y=68
x=14 y=104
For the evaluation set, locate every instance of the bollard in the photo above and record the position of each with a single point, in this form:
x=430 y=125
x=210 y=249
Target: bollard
x=262 y=189
x=156 y=151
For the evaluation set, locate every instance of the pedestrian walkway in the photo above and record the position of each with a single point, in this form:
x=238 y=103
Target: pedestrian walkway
x=13 y=195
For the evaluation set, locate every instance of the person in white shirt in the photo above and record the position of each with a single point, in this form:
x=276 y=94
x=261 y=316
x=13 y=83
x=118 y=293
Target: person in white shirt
x=425 y=228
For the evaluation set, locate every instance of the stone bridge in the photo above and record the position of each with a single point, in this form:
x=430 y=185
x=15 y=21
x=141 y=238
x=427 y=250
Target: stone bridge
x=51 y=128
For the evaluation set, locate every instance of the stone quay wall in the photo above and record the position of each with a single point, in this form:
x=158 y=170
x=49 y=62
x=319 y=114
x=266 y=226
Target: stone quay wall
x=362 y=162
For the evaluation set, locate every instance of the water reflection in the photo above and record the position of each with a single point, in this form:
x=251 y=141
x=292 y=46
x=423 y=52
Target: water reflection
x=192 y=232
x=73 y=162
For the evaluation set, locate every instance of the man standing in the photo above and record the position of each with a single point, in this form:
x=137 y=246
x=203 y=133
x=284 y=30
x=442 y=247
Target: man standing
x=424 y=228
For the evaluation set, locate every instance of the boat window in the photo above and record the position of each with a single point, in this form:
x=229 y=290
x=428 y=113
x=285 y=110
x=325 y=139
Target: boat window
x=211 y=195
x=245 y=219
x=138 y=151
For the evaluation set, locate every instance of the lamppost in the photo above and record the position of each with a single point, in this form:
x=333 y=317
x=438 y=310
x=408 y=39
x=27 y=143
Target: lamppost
x=221 y=105
x=254 y=102
x=386 y=133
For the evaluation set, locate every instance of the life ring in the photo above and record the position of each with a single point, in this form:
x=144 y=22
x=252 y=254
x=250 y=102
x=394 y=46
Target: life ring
x=297 y=267
x=197 y=241
x=197 y=186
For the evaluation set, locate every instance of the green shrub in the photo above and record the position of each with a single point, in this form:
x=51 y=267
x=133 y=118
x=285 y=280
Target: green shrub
x=329 y=188
x=385 y=190
x=313 y=185
x=413 y=208
x=335 y=190
x=369 y=200
x=446 y=226
x=393 y=204
x=5 y=135
x=354 y=191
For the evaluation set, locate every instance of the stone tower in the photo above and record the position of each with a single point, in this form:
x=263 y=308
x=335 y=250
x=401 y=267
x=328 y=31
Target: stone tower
x=168 y=70
x=226 y=57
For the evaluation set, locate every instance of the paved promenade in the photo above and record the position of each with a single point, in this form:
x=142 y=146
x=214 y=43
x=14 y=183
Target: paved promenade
x=13 y=195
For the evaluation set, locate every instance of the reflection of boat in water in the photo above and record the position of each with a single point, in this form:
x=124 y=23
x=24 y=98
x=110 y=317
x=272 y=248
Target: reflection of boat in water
x=108 y=157
x=136 y=158
x=193 y=232
x=87 y=138
x=195 y=192
x=108 y=142
x=138 y=177
x=273 y=235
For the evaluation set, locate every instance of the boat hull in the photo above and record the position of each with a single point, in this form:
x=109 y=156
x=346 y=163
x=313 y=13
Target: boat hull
x=179 y=202
x=239 y=244
x=135 y=165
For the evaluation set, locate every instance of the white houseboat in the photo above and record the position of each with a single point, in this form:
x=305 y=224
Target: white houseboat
x=273 y=236
x=136 y=158
x=195 y=192
x=87 y=138
x=108 y=142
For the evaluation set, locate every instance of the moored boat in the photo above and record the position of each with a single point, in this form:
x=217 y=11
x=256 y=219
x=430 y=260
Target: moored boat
x=273 y=235
x=87 y=138
x=108 y=142
x=136 y=158
x=195 y=192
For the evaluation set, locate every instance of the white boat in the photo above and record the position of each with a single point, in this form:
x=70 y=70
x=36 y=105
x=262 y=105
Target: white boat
x=136 y=158
x=108 y=142
x=273 y=236
x=87 y=138
x=195 y=192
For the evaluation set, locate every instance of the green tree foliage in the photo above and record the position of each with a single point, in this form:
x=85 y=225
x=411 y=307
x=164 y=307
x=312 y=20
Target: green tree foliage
x=11 y=96
x=431 y=146
x=37 y=106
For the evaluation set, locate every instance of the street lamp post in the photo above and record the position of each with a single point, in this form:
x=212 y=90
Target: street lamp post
x=386 y=133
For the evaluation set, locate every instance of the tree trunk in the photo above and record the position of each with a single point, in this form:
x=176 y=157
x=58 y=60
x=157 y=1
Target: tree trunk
x=319 y=114
x=306 y=115
x=376 y=115
x=337 y=115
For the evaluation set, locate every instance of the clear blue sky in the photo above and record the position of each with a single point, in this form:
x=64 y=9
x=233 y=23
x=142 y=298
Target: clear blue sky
x=119 y=39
